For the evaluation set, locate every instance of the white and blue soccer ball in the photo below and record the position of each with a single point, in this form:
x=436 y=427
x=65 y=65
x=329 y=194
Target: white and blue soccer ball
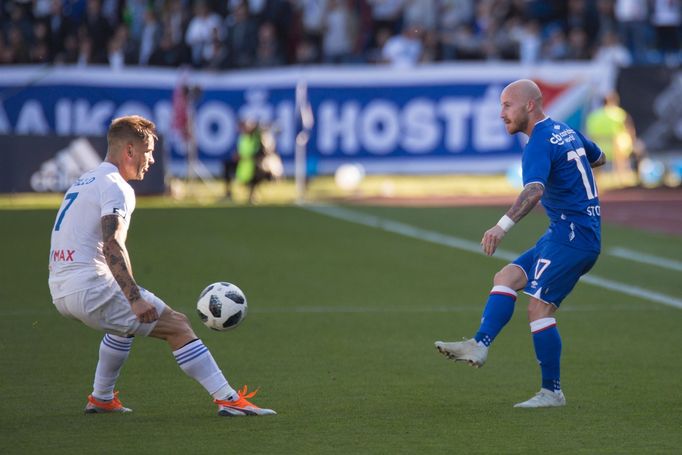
x=222 y=306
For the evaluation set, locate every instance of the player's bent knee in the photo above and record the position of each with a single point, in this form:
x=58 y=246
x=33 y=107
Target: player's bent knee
x=182 y=324
x=510 y=276
x=174 y=327
x=537 y=309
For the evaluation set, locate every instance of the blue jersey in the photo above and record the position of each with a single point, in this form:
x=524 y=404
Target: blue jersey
x=559 y=158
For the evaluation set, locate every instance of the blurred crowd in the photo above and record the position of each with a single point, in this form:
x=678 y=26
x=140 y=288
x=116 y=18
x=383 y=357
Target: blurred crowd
x=226 y=34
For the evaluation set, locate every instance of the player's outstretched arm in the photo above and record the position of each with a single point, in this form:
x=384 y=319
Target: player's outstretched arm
x=529 y=197
x=116 y=255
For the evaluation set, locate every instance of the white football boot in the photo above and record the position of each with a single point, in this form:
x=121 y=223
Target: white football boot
x=544 y=399
x=241 y=406
x=468 y=351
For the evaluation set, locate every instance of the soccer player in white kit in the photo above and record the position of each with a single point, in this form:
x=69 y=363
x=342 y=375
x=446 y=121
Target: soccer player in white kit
x=91 y=277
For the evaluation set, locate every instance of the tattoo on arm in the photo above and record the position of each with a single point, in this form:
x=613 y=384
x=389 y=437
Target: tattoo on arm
x=116 y=255
x=528 y=199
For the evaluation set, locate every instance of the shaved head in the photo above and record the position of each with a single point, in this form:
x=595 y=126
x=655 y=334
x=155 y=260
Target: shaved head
x=521 y=106
x=526 y=90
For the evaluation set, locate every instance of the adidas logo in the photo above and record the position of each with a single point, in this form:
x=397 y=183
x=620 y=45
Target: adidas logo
x=58 y=173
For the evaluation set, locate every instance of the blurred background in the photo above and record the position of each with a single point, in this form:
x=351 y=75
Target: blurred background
x=296 y=99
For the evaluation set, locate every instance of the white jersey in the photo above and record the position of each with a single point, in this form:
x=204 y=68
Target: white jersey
x=76 y=258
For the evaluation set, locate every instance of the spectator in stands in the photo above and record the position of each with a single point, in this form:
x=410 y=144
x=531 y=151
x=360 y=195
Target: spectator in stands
x=5 y=53
x=268 y=53
x=581 y=16
x=257 y=9
x=150 y=36
x=85 y=55
x=502 y=40
x=430 y=47
x=452 y=13
x=59 y=27
x=307 y=53
x=338 y=32
x=462 y=43
x=114 y=10
x=387 y=14
x=344 y=31
x=42 y=9
x=606 y=17
x=116 y=53
x=98 y=30
x=69 y=53
x=633 y=27
x=420 y=13
x=39 y=52
x=136 y=17
x=167 y=53
x=242 y=36
x=199 y=32
x=216 y=55
x=373 y=54
x=611 y=51
x=312 y=14
x=121 y=50
x=530 y=43
x=555 y=46
x=667 y=19
x=174 y=21
x=19 y=24
x=281 y=14
x=17 y=45
x=404 y=50
x=578 y=46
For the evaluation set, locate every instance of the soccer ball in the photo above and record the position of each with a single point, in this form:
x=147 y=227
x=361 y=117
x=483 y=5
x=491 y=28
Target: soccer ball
x=221 y=306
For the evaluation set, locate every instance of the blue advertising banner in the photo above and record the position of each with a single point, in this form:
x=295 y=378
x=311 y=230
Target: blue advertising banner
x=431 y=119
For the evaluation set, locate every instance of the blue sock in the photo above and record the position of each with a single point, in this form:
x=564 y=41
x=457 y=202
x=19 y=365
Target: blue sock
x=547 y=344
x=498 y=311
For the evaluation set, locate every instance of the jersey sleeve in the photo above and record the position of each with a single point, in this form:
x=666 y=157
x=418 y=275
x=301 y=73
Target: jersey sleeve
x=536 y=162
x=592 y=150
x=113 y=201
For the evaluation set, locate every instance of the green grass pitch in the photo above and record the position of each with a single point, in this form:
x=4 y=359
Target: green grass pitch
x=339 y=336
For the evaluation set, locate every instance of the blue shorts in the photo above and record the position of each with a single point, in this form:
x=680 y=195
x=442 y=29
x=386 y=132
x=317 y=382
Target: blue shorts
x=553 y=269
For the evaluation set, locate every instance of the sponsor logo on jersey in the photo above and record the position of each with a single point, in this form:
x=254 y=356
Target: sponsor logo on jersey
x=84 y=181
x=120 y=212
x=562 y=137
x=62 y=255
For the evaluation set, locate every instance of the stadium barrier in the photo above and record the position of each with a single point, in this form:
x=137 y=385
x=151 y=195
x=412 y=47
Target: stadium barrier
x=430 y=119
x=52 y=163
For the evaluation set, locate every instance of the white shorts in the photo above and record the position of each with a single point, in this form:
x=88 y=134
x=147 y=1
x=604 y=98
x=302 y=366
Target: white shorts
x=106 y=308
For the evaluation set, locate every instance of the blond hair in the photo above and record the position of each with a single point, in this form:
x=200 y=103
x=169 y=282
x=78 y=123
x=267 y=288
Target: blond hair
x=132 y=127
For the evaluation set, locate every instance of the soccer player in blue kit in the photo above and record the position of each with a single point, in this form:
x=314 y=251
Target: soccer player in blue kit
x=557 y=164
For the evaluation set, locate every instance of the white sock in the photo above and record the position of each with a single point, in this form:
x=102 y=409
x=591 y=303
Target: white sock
x=197 y=362
x=113 y=352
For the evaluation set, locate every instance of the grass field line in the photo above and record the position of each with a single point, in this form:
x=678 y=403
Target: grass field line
x=645 y=258
x=407 y=230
